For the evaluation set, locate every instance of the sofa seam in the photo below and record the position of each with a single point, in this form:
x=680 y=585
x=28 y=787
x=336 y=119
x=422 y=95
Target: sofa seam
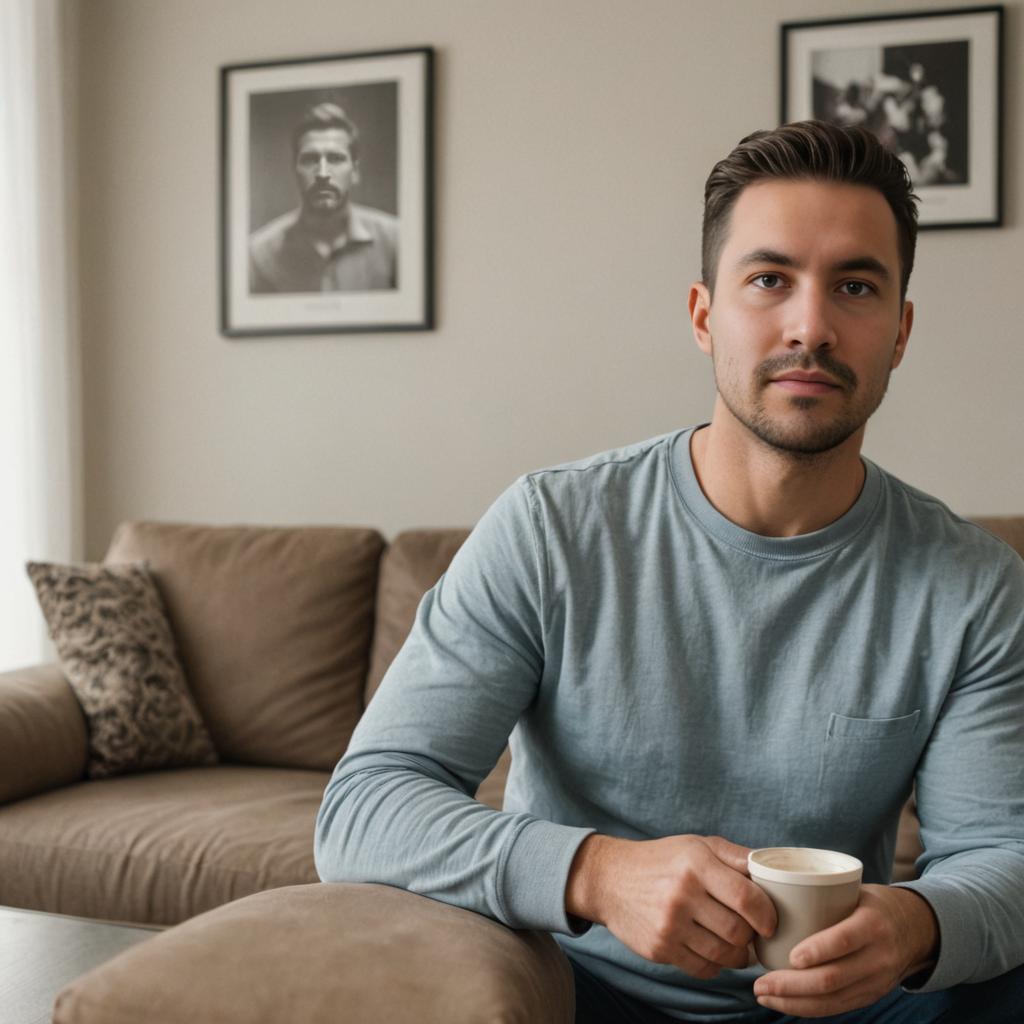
x=134 y=857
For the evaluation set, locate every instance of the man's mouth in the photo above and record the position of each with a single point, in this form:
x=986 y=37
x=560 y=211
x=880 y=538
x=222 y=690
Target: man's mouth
x=802 y=382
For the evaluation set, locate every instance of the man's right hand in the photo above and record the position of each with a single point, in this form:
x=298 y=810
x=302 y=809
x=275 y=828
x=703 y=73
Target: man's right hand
x=682 y=900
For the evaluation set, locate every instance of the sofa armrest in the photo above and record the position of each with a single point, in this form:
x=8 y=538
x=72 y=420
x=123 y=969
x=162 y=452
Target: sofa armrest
x=321 y=953
x=43 y=738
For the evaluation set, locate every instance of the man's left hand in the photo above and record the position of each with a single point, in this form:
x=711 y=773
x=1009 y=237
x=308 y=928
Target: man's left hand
x=891 y=935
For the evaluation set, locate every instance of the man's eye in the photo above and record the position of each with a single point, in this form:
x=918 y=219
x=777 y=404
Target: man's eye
x=768 y=281
x=855 y=288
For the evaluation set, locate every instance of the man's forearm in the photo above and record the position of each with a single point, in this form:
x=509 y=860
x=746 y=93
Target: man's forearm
x=389 y=818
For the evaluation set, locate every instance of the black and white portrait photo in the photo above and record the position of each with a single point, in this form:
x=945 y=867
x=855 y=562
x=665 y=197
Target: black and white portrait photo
x=326 y=212
x=327 y=220
x=927 y=85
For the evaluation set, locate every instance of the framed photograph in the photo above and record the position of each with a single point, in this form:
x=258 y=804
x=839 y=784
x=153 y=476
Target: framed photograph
x=928 y=85
x=326 y=194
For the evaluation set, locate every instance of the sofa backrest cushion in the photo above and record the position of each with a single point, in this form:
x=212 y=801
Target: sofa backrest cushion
x=413 y=563
x=1008 y=528
x=273 y=627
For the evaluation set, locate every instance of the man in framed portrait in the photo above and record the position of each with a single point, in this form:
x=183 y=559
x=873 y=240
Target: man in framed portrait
x=328 y=243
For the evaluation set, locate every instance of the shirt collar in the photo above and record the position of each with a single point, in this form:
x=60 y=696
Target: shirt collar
x=357 y=229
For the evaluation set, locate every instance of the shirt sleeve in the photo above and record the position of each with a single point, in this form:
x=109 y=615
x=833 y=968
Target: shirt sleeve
x=970 y=796
x=399 y=808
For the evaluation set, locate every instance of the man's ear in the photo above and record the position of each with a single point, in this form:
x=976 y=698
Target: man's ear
x=906 y=323
x=700 y=315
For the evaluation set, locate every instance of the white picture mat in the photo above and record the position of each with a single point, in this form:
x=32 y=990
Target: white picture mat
x=405 y=304
x=971 y=202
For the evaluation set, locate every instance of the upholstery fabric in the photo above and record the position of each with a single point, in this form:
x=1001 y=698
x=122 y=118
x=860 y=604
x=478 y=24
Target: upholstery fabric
x=159 y=847
x=908 y=844
x=117 y=652
x=43 y=740
x=320 y=954
x=273 y=628
x=1008 y=528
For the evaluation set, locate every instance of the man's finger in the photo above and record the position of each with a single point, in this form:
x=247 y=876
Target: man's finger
x=729 y=853
x=694 y=964
x=745 y=898
x=831 y=943
x=856 y=997
x=821 y=991
x=825 y=980
x=718 y=919
x=710 y=946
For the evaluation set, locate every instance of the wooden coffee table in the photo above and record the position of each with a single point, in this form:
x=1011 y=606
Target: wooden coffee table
x=40 y=953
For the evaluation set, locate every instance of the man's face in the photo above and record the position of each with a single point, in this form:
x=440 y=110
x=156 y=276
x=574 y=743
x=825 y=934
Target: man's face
x=326 y=170
x=806 y=323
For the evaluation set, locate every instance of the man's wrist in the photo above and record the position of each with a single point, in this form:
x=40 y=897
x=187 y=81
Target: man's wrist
x=922 y=928
x=586 y=884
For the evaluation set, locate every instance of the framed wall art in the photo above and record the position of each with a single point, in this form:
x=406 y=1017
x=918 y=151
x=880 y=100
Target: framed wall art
x=326 y=194
x=929 y=85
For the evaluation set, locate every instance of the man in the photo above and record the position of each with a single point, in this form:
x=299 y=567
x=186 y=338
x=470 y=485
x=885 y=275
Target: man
x=734 y=636
x=328 y=244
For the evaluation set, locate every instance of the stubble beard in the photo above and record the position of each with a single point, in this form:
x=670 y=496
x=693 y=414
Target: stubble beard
x=810 y=437
x=323 y=201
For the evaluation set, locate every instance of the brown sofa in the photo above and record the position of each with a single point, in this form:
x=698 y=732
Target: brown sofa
x=284 y=635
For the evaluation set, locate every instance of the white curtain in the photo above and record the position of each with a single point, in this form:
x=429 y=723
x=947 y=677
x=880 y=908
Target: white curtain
x=38 y=356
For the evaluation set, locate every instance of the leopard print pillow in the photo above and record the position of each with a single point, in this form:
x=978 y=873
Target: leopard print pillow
x=117 y=652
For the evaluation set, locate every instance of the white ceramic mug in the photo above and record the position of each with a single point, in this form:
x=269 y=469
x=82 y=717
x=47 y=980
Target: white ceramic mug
x=811 y=889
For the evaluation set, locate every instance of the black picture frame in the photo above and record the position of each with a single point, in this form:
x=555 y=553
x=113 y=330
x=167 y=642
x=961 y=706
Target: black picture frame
x=928 y=83
x=326 y=204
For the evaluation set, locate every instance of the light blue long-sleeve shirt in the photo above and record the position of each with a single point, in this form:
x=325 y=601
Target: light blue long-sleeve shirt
x=663 y=671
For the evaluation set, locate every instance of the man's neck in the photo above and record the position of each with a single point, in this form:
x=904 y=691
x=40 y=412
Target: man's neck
x=770 y=492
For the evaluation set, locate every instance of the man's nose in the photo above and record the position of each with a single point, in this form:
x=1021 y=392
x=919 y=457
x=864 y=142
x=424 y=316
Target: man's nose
x=322 y=169
x=810 y=324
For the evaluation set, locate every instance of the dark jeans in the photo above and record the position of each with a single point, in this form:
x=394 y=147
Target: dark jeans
x=999 y=1001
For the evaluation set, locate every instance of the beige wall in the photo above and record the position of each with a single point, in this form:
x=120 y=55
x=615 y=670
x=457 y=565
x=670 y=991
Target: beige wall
x=573 y=138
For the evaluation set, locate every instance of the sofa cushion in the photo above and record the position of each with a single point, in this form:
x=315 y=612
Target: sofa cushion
x=159 y=847
x=320 y=954
x=273 y=627
x=117 y=652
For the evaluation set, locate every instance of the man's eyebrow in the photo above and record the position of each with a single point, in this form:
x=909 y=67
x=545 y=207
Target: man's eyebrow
x=779 y=259
x=868 y=263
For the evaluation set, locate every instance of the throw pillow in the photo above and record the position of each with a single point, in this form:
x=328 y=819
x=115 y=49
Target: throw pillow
x=117 y=651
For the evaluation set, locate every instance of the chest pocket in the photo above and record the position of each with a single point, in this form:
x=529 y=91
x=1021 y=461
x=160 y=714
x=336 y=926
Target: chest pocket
x=841 y=727
x=867 y=762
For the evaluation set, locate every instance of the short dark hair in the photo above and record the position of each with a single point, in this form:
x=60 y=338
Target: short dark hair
x=808 y=150
x=321 y=117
